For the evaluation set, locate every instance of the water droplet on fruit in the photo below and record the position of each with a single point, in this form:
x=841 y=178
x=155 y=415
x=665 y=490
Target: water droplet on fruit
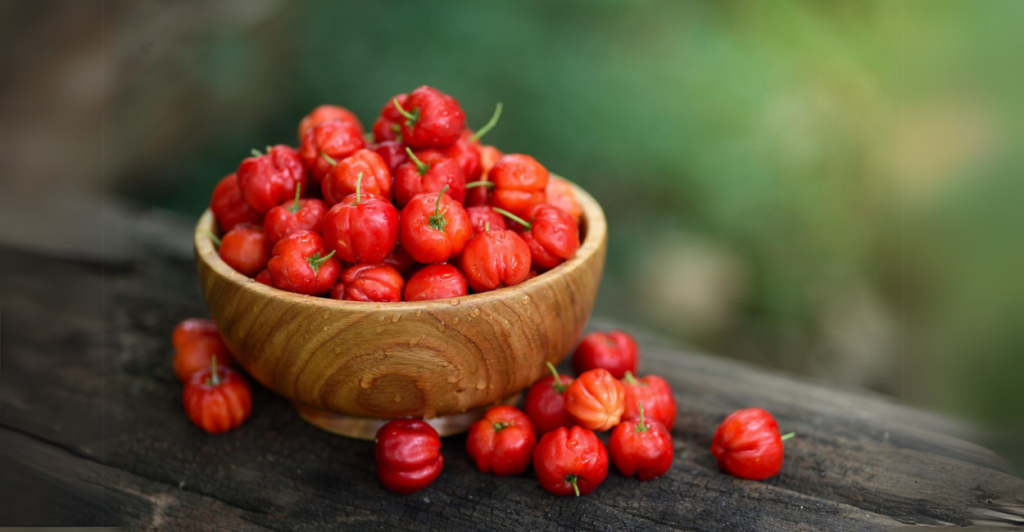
x=398 y=398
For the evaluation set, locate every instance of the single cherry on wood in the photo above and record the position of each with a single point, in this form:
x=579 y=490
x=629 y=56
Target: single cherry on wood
x=654 y=393
x=217 y=399
x=570 y=461
x=615 y=351
x=198 y=354
x=192 y=329
x=545 y=402
x=434 y=227
x=361 y=228
x=641 y=447
x=408 y=453
x=748 y=445
x=502 y=442
x=301 y=264
x=596 y=400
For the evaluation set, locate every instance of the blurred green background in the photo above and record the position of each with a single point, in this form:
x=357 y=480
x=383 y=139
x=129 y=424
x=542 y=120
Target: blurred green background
x=831 y=188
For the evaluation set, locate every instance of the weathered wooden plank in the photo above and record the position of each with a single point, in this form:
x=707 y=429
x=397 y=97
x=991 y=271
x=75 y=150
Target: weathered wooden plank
x=90 y=417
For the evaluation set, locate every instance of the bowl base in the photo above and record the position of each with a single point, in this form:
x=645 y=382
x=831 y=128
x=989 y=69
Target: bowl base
x=364 y=428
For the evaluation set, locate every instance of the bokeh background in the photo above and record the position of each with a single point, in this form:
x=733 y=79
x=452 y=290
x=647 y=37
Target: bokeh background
x=831 y=188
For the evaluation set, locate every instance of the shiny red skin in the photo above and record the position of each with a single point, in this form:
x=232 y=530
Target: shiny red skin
x=441 y=171
x=481 y=195
x=656 y=396
x=337 y=138
x=289 y=218
x=327 y=113
x=494 y=259
x=644 y=450
x=198 y=354
x=559 y=193
x=502 y=442
x=292 y=266
x=436 y=281
x=483 y=218
x=439 y=123
x=388 y=125
x=191 y=329
x=219 y=407
x=408 y=453
x=574 y=451
x=553 y=236
x=229 y=207
x=270 y=179
x=615 y=351
x=748 y=445
x=400 y=259
x=245 y=250
x=264 y=278
x=596 y=400
x=467 y=153
x=519 y=183
x=341 y=180
x=363 y=231
x=369 y=282
x=393 y=153
x=545 y=404
x=428 y=244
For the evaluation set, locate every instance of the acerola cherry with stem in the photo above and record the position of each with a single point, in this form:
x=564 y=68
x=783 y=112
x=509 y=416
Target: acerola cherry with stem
x=427 y=172
x=551 y=234
x=269 y=179
x=484 y=218
x=197 y=354
x=338 y=139
x=654 y=394
x=302 y=265
x=361 y=228
x=229 y=207
x=545 y=402
x=297 y=215
x=434 y=229
x=641 y=447
x=480 y=194
x=433 y=119
x=747 y=444
x=217 y=399
x=518 y=182
x=570 y=460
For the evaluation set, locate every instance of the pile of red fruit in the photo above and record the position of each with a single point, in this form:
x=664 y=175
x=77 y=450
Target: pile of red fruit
x=416 y=209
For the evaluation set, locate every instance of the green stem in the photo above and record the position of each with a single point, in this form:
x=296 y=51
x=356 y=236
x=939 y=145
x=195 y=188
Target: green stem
x=421 y=167
x=411 y=118
x=329 y=159
x=630 y=379
x=255 y=153
x=558 y=382
x=214 y=379
x=359 y=188
x=438 y=221
x=481 y=183
x=489 y=125
x=316 y=260
x=213 y=237
x=788 y=436
x=513 y=217
x=295 y=206
x=642 y=427
x=572 y=480
x=499 y=426
x=487 y=227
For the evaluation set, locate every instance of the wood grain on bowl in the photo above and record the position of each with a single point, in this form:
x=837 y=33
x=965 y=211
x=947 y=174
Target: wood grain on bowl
x=421 y=359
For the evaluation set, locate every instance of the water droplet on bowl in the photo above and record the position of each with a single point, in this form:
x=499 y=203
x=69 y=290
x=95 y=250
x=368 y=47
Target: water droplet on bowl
x=481 y=385
x=413 y=342
x=380 y=329
x=440 y=326
x=395 y=318
x=366 y=382
x=398 y=398
x=452 y=379
x=455 y=320
x=475 y=312
x=525 y=300
x=419 y=312
x=454 y=302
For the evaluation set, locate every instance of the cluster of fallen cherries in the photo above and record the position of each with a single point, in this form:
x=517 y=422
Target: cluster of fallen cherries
x=417 y=209
x=569 y=458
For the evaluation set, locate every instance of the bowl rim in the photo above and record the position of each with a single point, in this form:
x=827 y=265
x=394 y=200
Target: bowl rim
x=595 y=236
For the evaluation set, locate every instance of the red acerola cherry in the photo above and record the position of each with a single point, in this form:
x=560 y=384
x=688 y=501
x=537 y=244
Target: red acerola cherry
x=502 y=442
x=484 y=218
x=641 y=447
x=615 y=351
x=434 y=227
x=747 y=444
x=519 y=183
x=436 y=281
x=654 y=394
x=268 y=180
x=551 y=234
x=480 y=194
x=341 y=180
x=296 y=215
x=369 y=282
x=198 y=354
x=596 y=400
x=229 y=207
x=301 y=264
x=570 y=461
x=427 y=172
x=388 y=126
x=494 y=259
x=545 y=402
x=337 y=139
x=244 y=249
x=327 y=113
x=362 y=228
x=264 y=278
x=432 y=119
x=400 y=259
x=192 y=329
x=217 y=399
x=408 y=453
x=560 y=193
x=393 y=152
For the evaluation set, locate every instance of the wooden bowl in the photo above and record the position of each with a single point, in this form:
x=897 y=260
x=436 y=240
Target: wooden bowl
x=347 y=365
